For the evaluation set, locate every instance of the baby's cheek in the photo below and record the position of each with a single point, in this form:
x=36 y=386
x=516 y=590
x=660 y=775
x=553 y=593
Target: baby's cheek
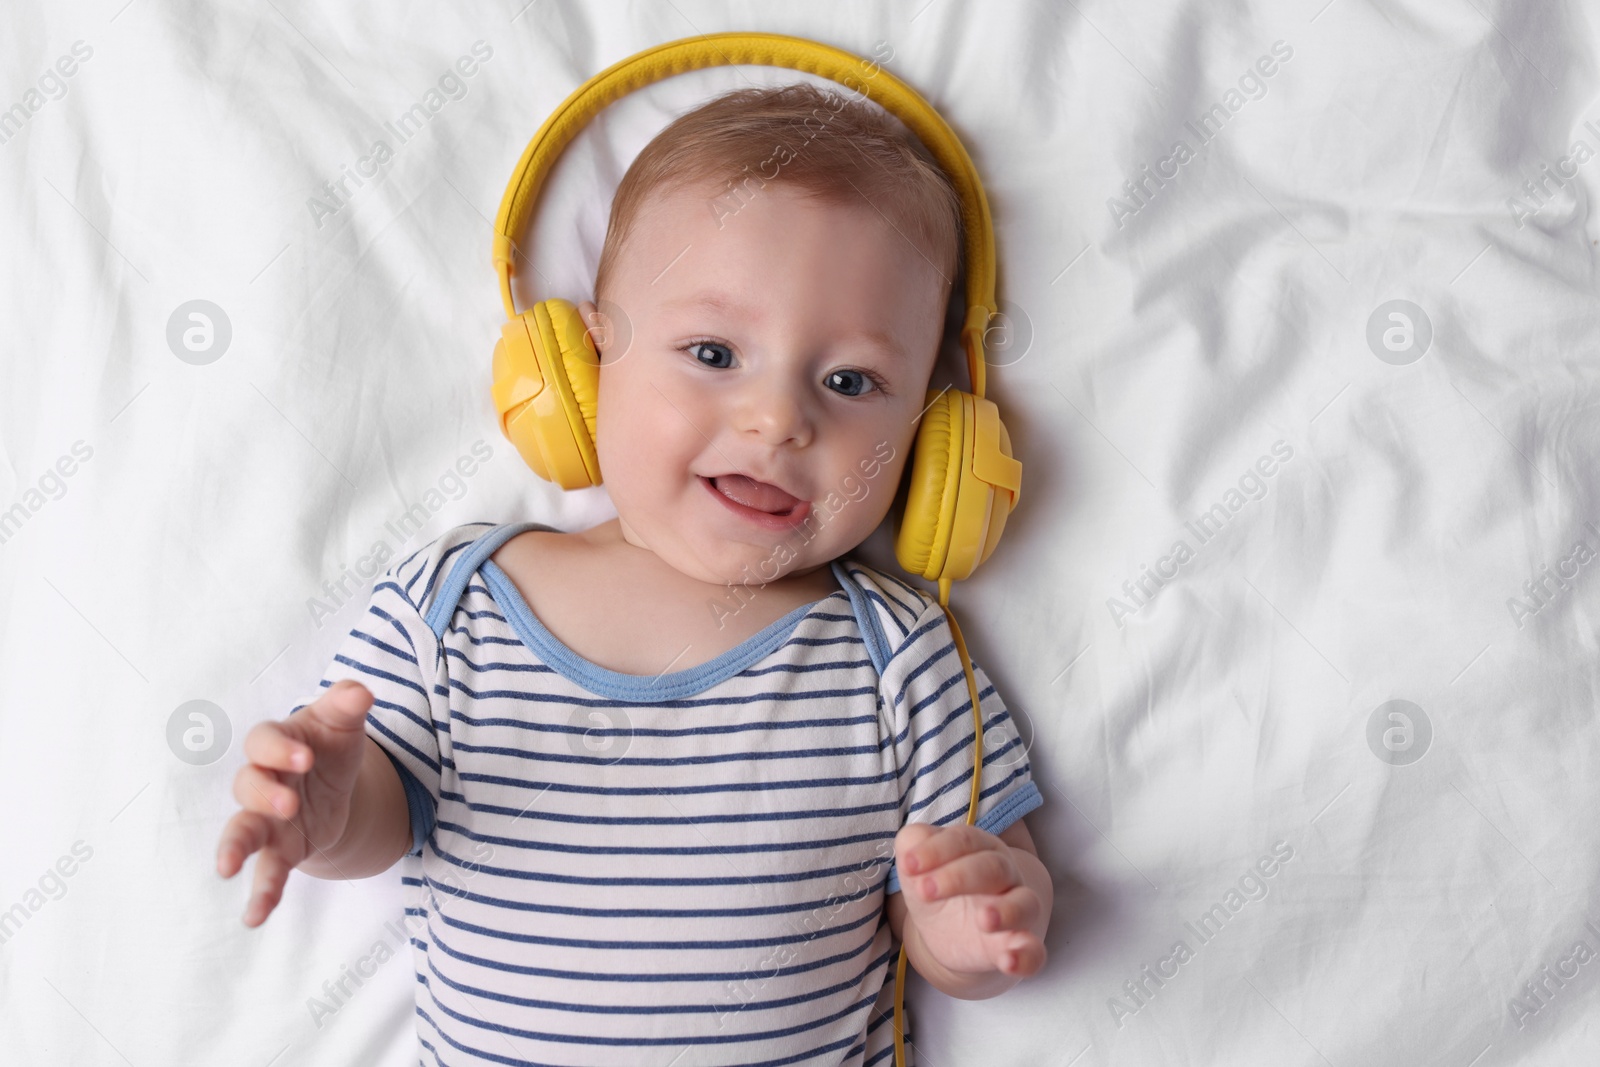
x=616 y=409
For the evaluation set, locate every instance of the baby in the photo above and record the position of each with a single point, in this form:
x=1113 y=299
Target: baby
x=674 y=789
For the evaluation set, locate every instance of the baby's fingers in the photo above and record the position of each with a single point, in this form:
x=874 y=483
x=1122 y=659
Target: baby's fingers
x=272 y=871
x=1015 y=909
x=975 y=872
x=246 y=832
x=269 y=745
x=260 y=790
x=1024 y=955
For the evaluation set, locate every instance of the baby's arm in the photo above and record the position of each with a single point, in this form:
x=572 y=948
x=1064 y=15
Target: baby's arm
x=319 y=795
x=982 y=902
x=378 y=831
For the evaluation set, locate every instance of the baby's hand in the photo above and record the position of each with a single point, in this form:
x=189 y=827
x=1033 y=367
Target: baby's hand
x=968 y=901
x=295 y=791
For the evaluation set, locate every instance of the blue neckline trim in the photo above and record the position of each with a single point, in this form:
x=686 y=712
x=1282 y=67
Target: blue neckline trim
x=878 y=647
x=636 y=688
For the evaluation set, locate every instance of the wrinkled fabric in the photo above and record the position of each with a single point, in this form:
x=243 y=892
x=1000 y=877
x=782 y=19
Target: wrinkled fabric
x=1297 y=611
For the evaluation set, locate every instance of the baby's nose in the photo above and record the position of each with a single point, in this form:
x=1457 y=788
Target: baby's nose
x=775 y=409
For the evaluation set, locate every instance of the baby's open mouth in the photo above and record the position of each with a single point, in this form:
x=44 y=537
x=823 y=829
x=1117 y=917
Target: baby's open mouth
x=754 y=494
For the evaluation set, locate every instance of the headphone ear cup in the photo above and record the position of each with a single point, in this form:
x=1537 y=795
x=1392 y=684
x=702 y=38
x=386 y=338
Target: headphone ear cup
x=921 y=544
x=962 y=487
x=546 y=386
x=580 y=365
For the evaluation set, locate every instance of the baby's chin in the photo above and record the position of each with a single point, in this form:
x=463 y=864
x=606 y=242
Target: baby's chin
x=741 y=563
x=721 y=561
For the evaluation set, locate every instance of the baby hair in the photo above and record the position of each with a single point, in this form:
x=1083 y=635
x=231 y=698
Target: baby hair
x=836 y=146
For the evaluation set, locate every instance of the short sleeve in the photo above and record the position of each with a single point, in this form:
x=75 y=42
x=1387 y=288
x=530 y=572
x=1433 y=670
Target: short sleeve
x=392 y=652
x=925 y=693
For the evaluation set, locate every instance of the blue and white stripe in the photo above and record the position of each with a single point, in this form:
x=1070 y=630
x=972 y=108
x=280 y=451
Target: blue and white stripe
x=688 y=869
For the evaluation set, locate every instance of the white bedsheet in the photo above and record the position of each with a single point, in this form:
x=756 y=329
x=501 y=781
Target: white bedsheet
x=177 y=518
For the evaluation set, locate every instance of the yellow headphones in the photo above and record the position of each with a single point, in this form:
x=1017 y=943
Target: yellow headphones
x=963 y=480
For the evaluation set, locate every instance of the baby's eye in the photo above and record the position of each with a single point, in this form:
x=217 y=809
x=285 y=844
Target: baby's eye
x=693 y=347
x=855 y=381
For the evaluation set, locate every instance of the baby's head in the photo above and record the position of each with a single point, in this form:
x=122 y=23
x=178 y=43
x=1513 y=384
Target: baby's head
x=775 y=275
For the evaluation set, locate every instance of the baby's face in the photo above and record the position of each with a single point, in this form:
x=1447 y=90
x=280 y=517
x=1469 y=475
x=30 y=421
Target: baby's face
x=793 y=343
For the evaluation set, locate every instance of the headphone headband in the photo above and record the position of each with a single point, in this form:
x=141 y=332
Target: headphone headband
x=772 y=50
